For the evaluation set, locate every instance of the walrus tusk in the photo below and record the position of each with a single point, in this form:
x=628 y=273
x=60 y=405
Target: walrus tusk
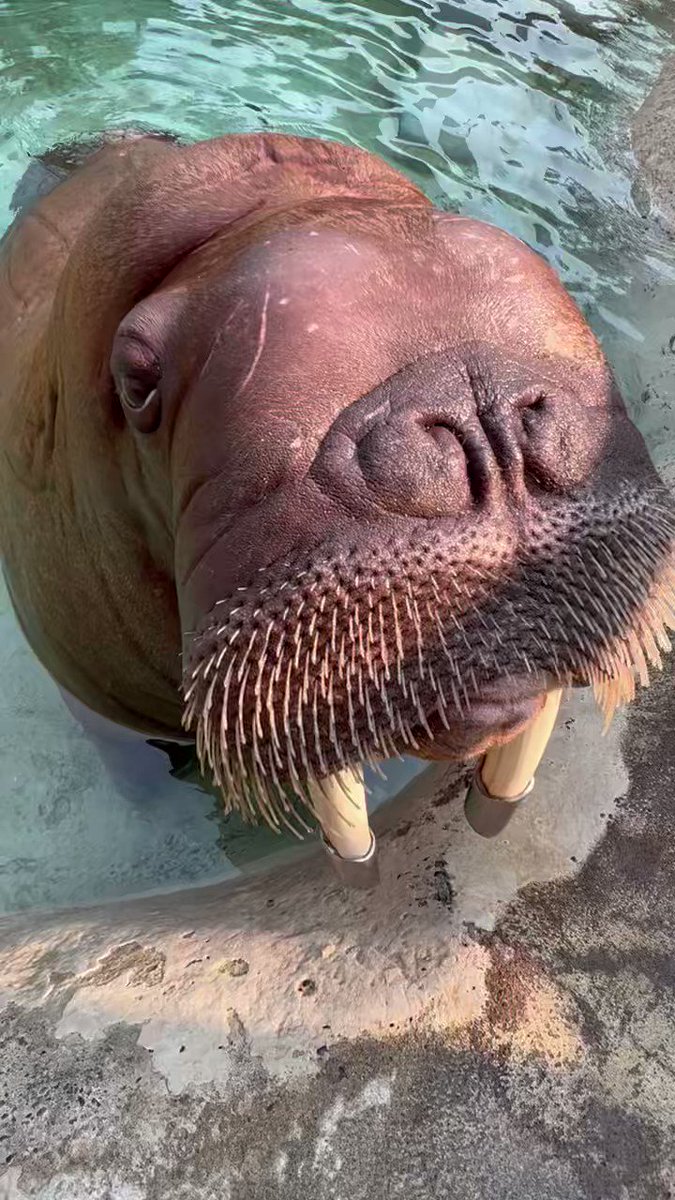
x=506 y=774
x=339 y=804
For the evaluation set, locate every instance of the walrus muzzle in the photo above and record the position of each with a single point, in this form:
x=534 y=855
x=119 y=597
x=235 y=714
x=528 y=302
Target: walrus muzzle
x=425 y=635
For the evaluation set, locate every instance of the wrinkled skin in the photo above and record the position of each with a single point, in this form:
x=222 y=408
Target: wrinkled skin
x=361 y=461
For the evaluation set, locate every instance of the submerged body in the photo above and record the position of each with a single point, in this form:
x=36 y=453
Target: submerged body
x=294 y=460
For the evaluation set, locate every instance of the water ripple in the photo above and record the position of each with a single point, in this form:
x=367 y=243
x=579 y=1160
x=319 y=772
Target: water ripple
x=512 y=110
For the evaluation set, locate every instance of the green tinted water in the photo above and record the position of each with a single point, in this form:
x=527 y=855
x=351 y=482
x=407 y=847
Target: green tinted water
x=513 y=110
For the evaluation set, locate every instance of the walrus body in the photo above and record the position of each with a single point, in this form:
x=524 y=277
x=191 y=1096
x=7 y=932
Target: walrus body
x=295 y=461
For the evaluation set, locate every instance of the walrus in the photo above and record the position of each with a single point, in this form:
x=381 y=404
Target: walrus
x=298 y=466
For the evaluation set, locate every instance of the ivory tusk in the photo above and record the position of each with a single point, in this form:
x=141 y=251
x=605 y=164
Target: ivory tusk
x=339 y=803
x=506 y=774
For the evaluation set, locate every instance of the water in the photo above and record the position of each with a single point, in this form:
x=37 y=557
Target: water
x=516 y=111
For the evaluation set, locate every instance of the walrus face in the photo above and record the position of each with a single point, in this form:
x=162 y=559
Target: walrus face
x=406 y=496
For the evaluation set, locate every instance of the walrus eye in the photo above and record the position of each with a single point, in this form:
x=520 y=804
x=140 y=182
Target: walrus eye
x=137 y=399
x=136 y=370
x=141 y=401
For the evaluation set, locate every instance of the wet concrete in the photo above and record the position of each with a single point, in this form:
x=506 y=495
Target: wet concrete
x=654 y=143
x=498 y=1019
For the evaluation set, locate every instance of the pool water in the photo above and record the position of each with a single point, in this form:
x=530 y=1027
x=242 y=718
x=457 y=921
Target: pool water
x=516 y=111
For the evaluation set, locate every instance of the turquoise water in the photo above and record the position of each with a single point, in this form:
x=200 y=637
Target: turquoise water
x=516 y=111
x=512 y=109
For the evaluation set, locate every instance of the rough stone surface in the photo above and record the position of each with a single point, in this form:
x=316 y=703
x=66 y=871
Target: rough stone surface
x=654 y=142
x=509 y=1033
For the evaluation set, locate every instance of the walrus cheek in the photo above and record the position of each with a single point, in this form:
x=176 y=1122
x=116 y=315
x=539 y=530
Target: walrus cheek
x=218 y=554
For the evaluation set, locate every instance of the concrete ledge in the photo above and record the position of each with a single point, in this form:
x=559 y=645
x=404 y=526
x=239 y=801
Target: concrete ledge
x=484 y=1015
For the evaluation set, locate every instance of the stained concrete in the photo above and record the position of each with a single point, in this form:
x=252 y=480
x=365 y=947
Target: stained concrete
x=497 y=1019
x=654 y=143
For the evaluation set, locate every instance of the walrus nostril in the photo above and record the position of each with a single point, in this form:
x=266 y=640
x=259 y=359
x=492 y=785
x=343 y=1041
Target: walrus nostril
x=443 y=433
x=533 y=399
x=416 y=463
x=533 y=405
x=452 y=439
x=561 y=437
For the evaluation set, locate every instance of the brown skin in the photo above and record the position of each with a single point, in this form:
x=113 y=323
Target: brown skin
x=224 y=362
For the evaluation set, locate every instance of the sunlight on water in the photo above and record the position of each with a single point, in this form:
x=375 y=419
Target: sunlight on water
x=516 y=111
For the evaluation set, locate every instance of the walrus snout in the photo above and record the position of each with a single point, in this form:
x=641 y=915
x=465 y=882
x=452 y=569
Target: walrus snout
x=462 y=429
x=418 y=465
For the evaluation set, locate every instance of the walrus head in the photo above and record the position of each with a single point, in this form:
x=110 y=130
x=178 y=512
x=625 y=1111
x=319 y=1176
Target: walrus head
x=405 y=495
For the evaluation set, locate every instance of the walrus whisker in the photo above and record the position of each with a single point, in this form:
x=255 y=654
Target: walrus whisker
x=312 y=623
x=333 y=637
x=269 y=697
x=301 y=731
x=314 y=653
x=589 y=619
x=352 y=723
x=247 y=653
x=441 y=702
x=287 y=707
x=418 y=631
x=403 y=679
x=262 y=663
x=332 y=729
x=357 y=669
x=411 y=740
x=397 y=630
x=297 y=638
x=209 y=665
x=358 y=625
x=352 y=644
x=256 y=756
x=325 y=673
x=209 y=697
x=342 y=657
x=386 y=702
x=369 y=711
x=305 y=678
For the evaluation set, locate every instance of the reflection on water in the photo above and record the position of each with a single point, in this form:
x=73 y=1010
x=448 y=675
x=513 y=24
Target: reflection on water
x=511 y=109
x=516 y=111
